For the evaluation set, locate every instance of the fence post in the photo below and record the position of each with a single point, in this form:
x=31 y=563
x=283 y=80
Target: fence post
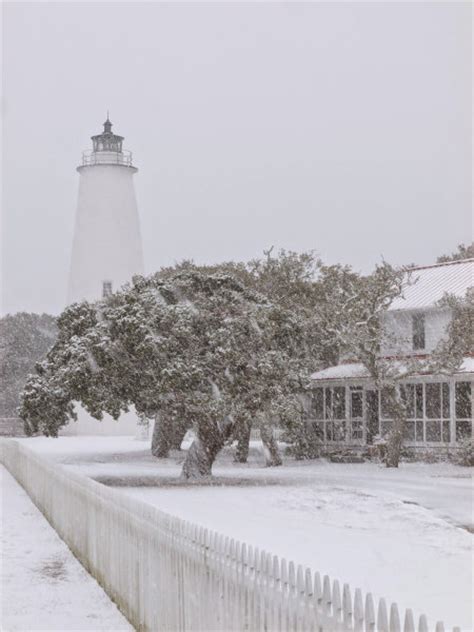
x=369 y=613
x=336 y=602
x=409 y=624
x=395 y=625
x=382 y=619
x=422 y=624
x=347 y=605
x=358 y=611
x=327 y=597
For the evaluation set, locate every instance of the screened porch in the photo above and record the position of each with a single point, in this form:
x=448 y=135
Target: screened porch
x=354 y=412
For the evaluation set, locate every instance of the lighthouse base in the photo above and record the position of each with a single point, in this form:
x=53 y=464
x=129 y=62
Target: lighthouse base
x=126 y=425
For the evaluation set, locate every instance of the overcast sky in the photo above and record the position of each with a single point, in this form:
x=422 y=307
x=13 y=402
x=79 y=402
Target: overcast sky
x=342 y=128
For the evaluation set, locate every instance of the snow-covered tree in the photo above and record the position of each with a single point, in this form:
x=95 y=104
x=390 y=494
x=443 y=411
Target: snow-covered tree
x=463 y=252
x=458 y=341
x=320 y=299
x=24 y=340
x=358 y=324
x=199 y=345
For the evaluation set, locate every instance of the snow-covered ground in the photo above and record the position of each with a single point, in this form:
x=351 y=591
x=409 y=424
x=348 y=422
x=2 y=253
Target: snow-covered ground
x=403 y=534
x=43 y=586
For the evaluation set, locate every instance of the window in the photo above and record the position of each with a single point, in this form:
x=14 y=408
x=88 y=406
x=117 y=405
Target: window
x=433 y=401
x=335 y=413
x=463 y=400
x=357 y=411
x=386 y=400
x=419 y=401
x=433 y=430
x=106 y=288
x=437 y=409
x=356 y=402
x=418 y=328
x=463 y=407
x=336 y=402
x=427 y=411
x=407 y=394
x=317 y=404
x=446 y=404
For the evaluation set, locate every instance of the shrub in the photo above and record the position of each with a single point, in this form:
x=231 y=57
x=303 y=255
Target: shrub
x=465 y=454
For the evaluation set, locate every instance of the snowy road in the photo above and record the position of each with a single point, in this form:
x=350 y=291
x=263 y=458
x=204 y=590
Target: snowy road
x=43 y=586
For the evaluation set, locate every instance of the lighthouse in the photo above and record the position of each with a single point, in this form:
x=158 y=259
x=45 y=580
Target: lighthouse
x=107 y=249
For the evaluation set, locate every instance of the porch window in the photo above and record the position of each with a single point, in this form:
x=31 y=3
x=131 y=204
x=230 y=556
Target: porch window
x=327 y=412
x=335 y=413
x=386 y=397
x=418 y=328
x=433 y=411
x=407 y=394
x=335 y=403
x=428 y=412
x=463 y=409
x=357 y=411
x=317 y=404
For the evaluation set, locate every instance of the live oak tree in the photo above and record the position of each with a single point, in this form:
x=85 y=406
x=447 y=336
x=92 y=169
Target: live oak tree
x=320 y=299
x=358 y=323
x=200 y=345
x=300 y=284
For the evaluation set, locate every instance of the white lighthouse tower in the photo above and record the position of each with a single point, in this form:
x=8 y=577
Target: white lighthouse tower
x=107 y=249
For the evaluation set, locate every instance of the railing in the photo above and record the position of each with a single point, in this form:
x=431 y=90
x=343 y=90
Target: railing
x=168 y=574
x=123 y=158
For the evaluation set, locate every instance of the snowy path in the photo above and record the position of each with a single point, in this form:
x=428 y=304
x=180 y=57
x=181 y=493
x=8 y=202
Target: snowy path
x=43 y=586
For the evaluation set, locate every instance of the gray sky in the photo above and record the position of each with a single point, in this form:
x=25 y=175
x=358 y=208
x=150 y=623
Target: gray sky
x=343 y=128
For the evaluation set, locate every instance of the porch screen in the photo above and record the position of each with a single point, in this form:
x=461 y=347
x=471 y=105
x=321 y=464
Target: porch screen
x=328 y=410
x=463 y=409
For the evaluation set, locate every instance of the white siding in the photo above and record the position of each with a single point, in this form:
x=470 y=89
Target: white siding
x=399 y=331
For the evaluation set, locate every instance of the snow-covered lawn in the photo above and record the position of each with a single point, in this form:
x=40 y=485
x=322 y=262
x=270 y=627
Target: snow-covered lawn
x=43 y=586
x=403 y=534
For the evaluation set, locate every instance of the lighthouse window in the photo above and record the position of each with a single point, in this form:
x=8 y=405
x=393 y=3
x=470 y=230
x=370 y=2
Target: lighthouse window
x=106 y=288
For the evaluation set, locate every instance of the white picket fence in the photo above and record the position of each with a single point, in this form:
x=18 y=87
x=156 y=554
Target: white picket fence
x=169 y=575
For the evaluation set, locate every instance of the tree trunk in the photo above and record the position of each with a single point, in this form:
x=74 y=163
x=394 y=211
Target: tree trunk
x=243 y=442
x=209 y=441
x=160 y=445
x=270 y=445
x=177 y=436
x=394 y=444
x=198 y=461
x=395 y=439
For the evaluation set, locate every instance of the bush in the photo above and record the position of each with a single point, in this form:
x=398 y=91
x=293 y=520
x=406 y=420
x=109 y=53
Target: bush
x=465 y=454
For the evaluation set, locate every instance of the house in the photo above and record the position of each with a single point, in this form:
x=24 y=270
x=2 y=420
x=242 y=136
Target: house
x=346 y=408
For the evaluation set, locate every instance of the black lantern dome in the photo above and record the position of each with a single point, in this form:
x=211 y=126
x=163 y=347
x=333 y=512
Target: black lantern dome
x=107 y=141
